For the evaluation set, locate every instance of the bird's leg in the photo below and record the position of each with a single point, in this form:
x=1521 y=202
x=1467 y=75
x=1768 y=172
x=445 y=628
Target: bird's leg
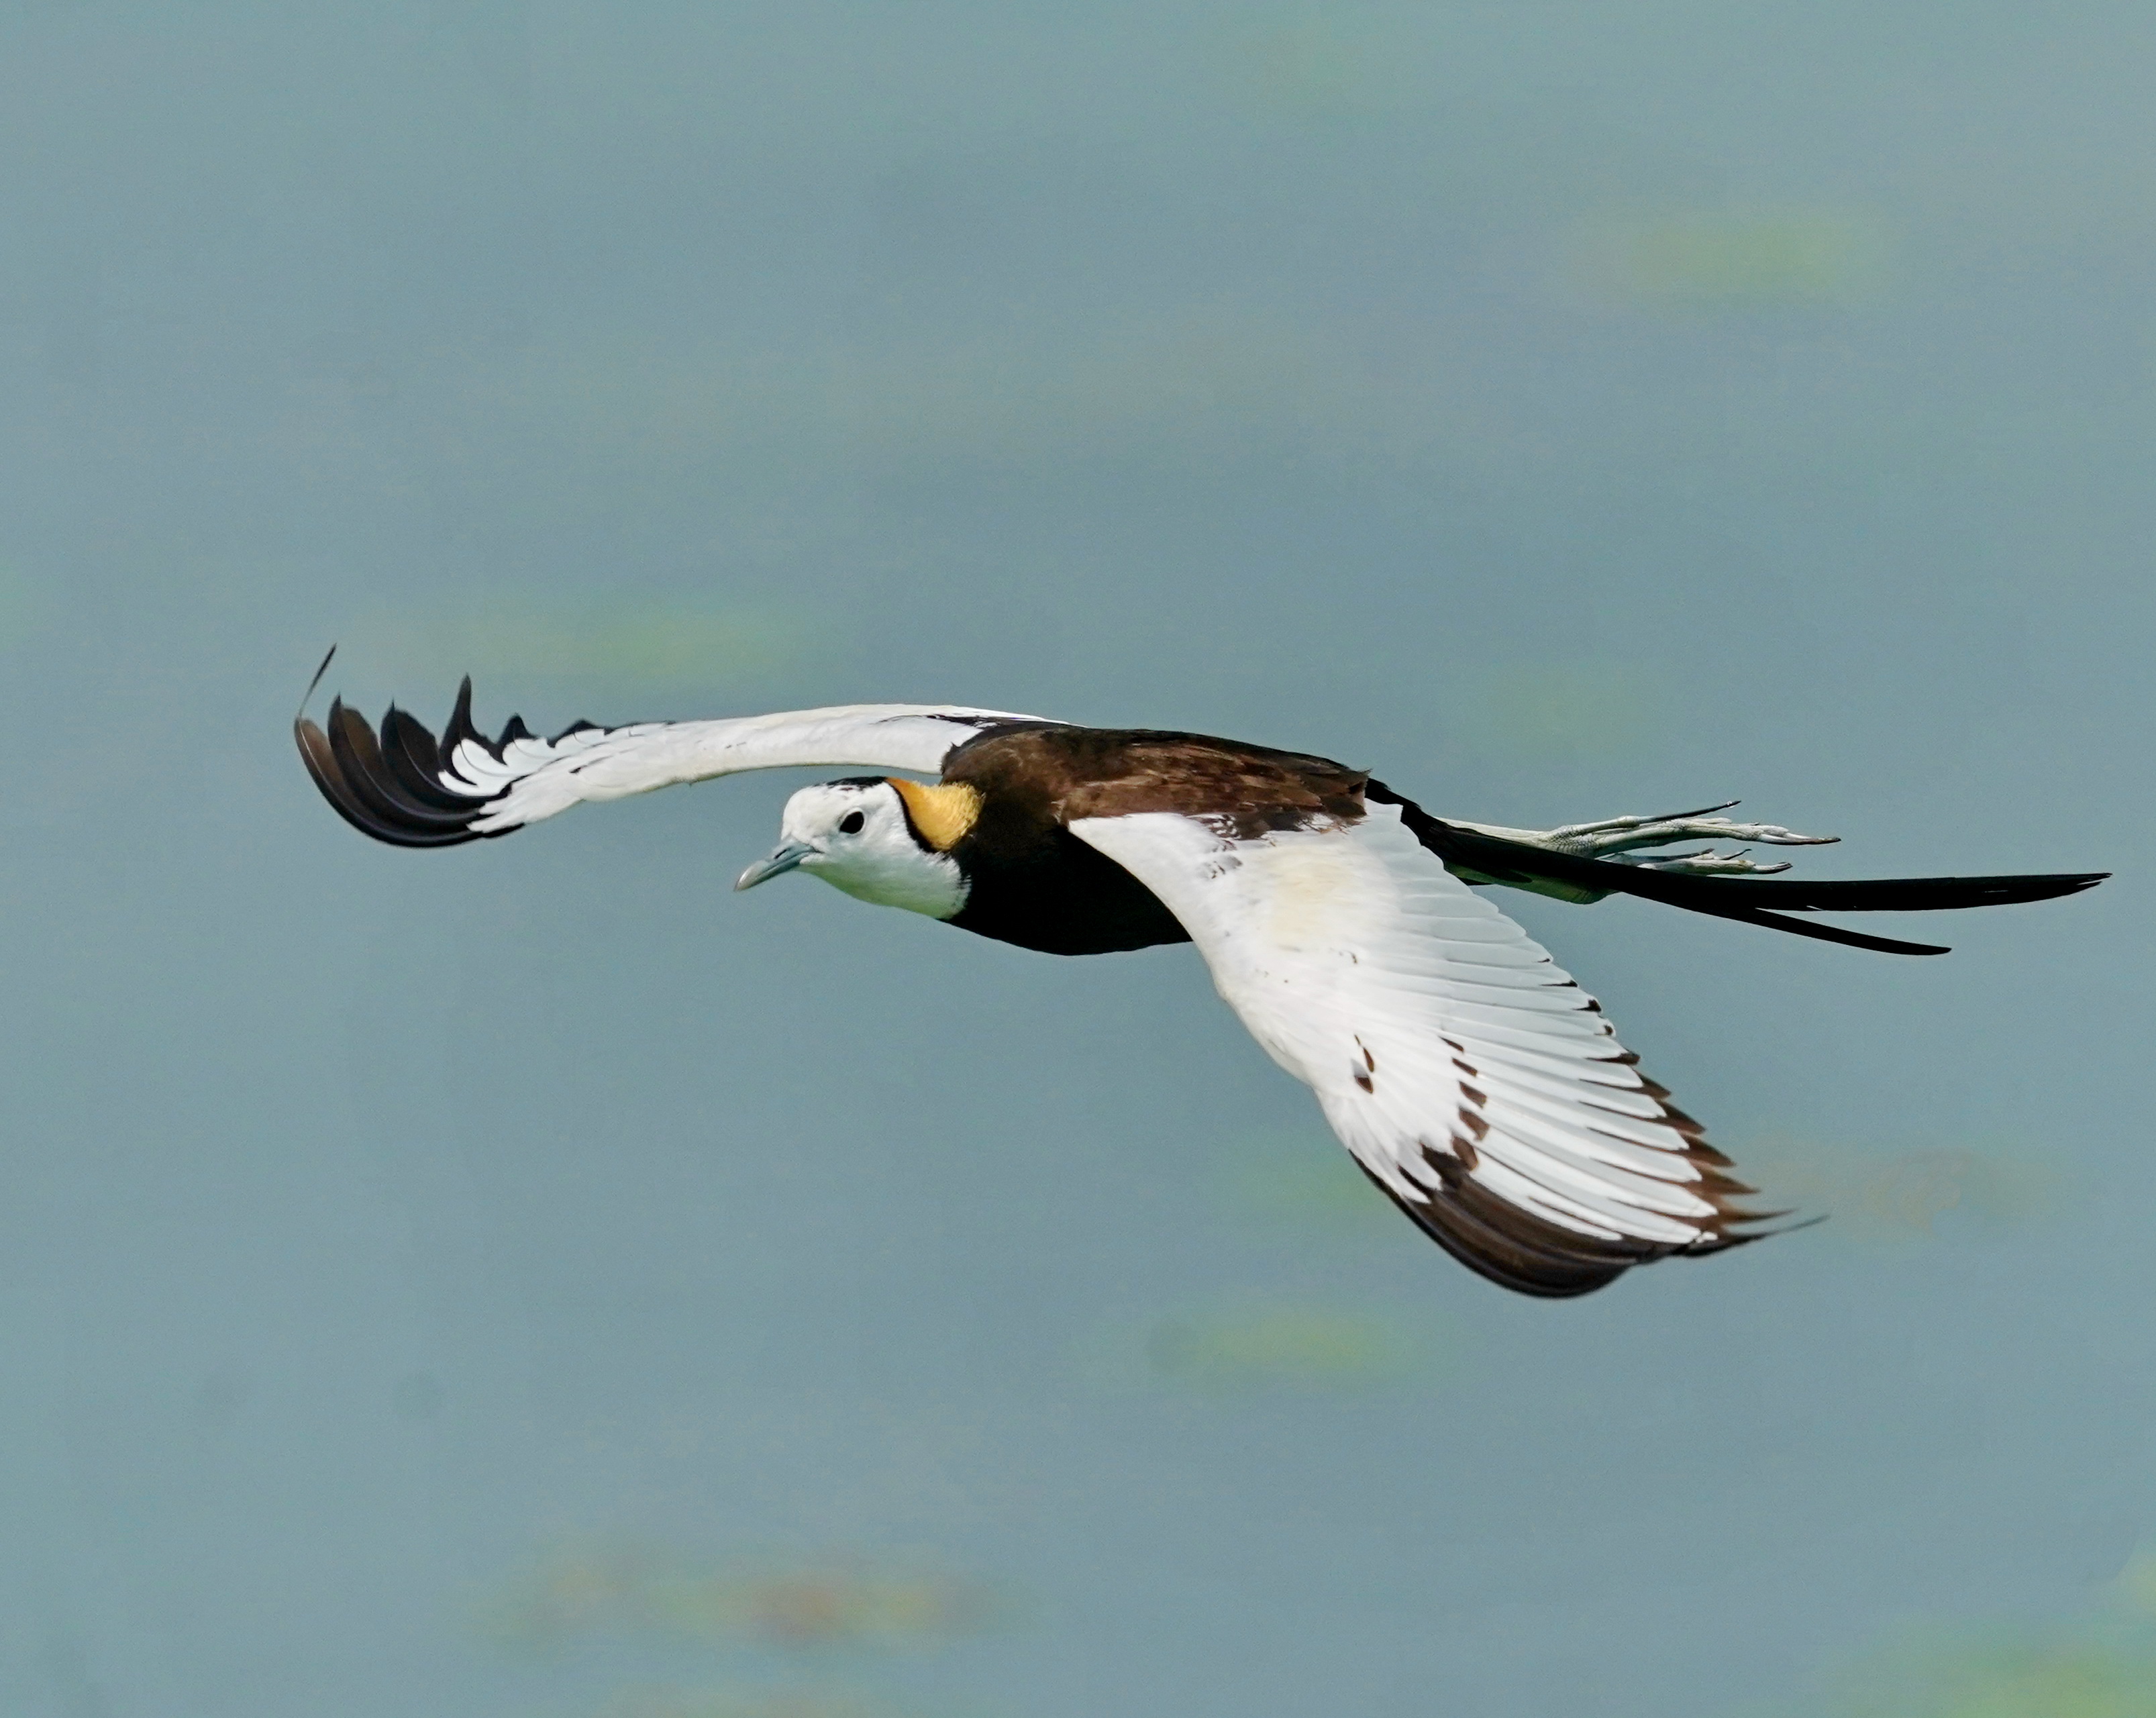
x=1626 y=840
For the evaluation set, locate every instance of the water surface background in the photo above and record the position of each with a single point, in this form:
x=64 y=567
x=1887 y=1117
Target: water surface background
x=530 y=1280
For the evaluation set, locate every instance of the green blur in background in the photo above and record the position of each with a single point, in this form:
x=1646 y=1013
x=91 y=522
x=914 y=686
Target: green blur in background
x=530 y=1281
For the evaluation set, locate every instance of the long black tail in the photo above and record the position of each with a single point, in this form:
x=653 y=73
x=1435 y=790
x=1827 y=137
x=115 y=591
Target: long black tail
x=1748 y=901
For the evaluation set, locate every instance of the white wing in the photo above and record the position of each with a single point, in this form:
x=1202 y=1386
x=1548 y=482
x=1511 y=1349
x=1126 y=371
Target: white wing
x=1474 y=1081
x=403 y=788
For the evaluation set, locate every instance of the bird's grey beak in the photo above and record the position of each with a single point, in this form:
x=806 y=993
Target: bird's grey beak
x=783 y=859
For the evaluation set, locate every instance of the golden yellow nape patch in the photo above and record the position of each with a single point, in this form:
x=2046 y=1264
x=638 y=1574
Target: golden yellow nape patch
x=942 y=814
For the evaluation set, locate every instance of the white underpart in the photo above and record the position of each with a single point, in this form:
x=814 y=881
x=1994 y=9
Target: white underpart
x=1351 y=945
x=537 y=778
x=881 y=862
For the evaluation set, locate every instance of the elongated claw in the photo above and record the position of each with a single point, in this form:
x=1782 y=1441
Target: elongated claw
x=1626 y=835
x=1706 y=863
x=1567 y=830
x=1631 y=841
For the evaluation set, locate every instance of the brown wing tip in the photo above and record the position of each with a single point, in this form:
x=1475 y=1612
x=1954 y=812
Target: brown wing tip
x=1502 y=1243
x=1519 y=1250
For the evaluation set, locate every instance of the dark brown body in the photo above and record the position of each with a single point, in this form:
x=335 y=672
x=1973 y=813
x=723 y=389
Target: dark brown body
x=1035 y=884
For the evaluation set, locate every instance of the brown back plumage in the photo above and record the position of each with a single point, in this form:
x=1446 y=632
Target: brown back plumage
x=1061 y=774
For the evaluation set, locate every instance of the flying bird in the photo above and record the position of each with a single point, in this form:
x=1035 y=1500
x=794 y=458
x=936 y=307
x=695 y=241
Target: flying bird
x=1473 y=1081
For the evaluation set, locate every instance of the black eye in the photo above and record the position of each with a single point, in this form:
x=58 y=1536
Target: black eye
x=851 y=823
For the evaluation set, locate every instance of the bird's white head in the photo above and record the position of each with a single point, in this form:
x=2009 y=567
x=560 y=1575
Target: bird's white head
x=879 y=839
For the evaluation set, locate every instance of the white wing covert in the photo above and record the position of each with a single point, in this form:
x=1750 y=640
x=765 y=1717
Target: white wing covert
x=405 y=788
x=1472 y=1079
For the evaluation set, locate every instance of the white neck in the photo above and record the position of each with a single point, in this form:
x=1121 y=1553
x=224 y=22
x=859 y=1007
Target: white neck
x=920 y=882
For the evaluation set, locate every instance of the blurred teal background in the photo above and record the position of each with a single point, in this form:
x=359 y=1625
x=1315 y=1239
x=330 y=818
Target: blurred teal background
x=530 y=1281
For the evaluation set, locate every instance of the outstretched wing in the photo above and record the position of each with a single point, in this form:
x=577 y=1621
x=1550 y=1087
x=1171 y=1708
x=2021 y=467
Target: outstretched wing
x=403 y=787
x=1473 y=1081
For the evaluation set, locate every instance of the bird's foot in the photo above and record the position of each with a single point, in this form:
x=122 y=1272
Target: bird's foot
x=1631 y=841
x=1619 y=837
x=1707 y=862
